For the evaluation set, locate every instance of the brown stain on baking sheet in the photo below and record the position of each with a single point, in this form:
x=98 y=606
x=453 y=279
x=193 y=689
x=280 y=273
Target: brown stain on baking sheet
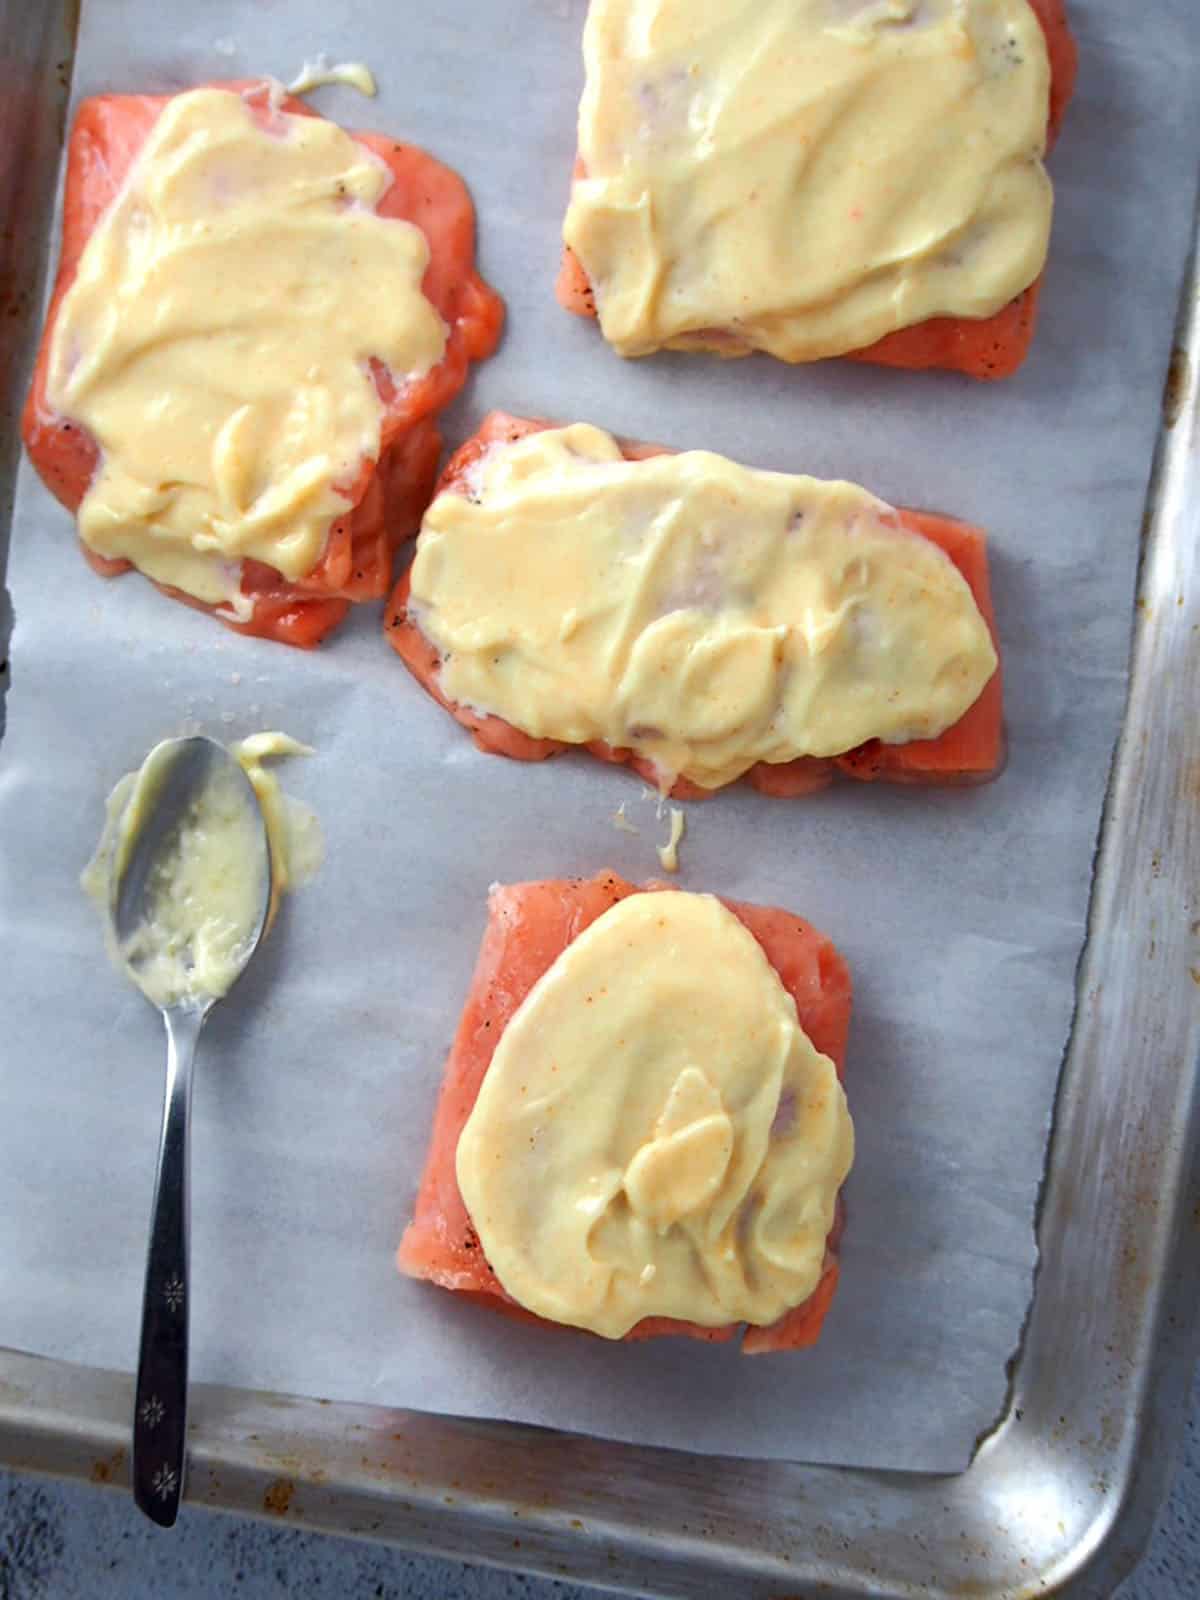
x=278 y=1497
x=109 y=1468
x=1179 y=376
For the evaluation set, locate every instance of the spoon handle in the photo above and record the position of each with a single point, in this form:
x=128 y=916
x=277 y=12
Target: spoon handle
x=160 y=1396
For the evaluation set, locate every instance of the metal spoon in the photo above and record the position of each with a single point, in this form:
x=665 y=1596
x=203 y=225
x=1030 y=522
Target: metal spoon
x=182 y=770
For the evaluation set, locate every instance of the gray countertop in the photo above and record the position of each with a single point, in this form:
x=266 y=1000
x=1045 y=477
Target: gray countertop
x=71 y=1540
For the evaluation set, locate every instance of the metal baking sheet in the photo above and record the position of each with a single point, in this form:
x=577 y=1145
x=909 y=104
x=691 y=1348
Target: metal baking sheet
x=53 y=1414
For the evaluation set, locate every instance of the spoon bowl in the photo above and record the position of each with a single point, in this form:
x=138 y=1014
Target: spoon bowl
x=189 y=898
x=190 y=878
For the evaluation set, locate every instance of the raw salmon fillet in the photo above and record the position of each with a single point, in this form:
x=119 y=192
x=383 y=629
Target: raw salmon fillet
x=971 y=751
x=385 y=501
x=529 y=926
x=985 y=347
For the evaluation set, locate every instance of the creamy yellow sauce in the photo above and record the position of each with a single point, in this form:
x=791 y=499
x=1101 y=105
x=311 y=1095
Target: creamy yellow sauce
x=293 y=832
x=621 y=822
x=668 y=852
x=206 y=892
x=218 y=336
x=319 y=73
x=805 y=176
x=700 y=613
x=656 y=1135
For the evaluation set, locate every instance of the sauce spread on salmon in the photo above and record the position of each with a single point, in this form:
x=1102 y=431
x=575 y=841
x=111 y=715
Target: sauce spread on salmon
x=206 y=893
x=656 y=1135
x=220 y=340
x=807 y=176
x=702 y=614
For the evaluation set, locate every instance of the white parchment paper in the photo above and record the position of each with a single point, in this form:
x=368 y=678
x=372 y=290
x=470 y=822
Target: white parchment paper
x=961 y=912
